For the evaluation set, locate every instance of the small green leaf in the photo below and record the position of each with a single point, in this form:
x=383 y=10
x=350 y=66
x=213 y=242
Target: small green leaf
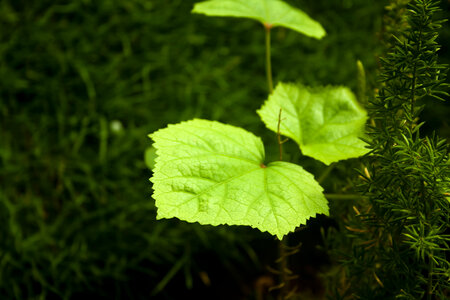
x=269 y=12
x=325 y=122
x=213 y=173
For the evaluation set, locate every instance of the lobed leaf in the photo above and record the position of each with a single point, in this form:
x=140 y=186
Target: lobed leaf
x=213 y=173
x=271 y=12
x=326 y=123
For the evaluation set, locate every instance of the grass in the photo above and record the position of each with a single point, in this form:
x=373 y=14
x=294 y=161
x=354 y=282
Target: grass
x=82 y=84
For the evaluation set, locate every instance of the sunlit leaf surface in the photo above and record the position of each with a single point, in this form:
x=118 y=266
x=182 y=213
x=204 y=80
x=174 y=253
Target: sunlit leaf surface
x=213 y=173
x=325 y=122
x=270 y=12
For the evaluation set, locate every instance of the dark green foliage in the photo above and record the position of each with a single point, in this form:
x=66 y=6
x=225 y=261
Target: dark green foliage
x=400 y=233
x=82 y=82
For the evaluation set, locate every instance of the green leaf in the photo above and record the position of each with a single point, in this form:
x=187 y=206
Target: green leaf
x=213 y=173
x=325 y=122
x=270 y=12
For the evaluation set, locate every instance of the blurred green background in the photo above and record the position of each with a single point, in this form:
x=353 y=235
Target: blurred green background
x=83 y=82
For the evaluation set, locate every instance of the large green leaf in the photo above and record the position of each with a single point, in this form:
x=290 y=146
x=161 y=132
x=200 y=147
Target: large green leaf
x=325 y=122
x=270 y=12
x=213 y=173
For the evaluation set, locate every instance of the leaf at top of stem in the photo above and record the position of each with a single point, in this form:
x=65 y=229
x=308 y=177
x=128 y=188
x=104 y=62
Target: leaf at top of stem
x=326 y=122
x=269 y=12
x=213 y=173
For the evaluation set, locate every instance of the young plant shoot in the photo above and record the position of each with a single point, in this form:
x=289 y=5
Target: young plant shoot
x=213 y=173
x=271 y=13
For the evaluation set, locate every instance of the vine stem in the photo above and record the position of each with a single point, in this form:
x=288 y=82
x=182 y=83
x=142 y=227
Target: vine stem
x=283 y=267
x=325 y=173
x=343 y=196
x=280 y=142
x=414 y=83
x=267 y=28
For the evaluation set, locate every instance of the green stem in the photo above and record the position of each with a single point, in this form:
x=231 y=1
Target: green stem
x=325 y=173
x=280 y=142
x=361 y=79
x=413 y=98
x=268 y=58
x=414 y=83
x=283 y=243
x=343 y=196
x=283 y=267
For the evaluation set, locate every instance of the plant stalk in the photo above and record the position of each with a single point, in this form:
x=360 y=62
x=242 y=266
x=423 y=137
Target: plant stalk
x=343 y=196
x=267 y=28
x=283 y=268
x=280 y=142
x=325 y=173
